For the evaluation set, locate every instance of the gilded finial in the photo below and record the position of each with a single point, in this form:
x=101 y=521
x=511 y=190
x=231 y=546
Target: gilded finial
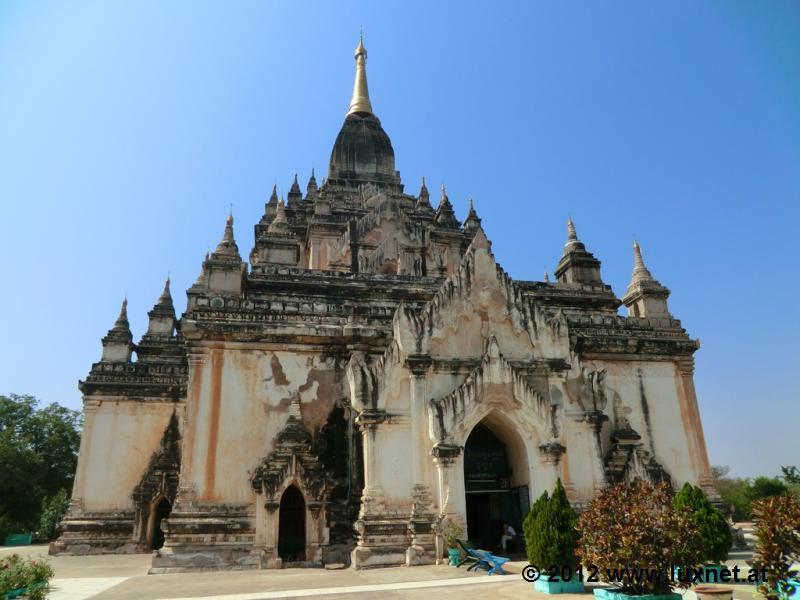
x=360 y=101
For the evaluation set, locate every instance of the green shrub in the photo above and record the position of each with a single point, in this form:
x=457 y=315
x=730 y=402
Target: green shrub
x=33 y=575
x=710 y=522
x=53 y=510
x=636 y=526
x=528 y=525
x=551 y=535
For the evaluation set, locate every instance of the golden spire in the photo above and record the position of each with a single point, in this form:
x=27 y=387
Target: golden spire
x=360 y=101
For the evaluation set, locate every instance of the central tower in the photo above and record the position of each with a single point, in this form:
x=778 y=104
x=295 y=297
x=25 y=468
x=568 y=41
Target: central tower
x=362 y=152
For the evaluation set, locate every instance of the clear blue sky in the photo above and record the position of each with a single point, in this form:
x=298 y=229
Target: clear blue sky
x=128 y=128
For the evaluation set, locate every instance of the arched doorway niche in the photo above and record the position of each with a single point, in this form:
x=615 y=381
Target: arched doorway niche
x=160 y=509
x=497 y=479
x=292 y=526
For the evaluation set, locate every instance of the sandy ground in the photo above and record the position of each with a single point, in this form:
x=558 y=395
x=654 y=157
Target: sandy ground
x=124 y=577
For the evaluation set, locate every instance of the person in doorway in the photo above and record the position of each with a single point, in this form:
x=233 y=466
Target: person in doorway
x=508 y=535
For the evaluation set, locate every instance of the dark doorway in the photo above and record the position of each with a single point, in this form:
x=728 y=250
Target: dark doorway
x=292 y=526
x=161 y=511
x=487 y=482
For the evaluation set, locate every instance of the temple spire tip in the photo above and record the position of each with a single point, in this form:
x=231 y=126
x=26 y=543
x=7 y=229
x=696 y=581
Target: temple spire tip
x=360 y=102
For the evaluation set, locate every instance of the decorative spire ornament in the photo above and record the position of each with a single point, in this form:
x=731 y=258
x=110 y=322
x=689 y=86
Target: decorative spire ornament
x=571 y=233
x=645 y=296
x=360 y=100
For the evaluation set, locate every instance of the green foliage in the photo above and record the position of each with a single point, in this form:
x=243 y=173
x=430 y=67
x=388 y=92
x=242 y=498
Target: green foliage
x=765 y=487
x=635 y=525
x=739 y=493
x=38 y=454
x=551 y=534
x=710 y=522
x=33 y=575
x=53 y=510
x=791 y=475
x=777 y=529
x=529 y=525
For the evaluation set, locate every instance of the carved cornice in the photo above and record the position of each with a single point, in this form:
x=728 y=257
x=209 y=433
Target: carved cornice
x=418 y=364
x=448 y=412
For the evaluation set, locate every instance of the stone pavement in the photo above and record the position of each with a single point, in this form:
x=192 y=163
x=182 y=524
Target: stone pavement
x=124 y=577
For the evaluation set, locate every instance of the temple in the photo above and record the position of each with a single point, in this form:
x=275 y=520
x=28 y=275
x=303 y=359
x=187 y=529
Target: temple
x=368 y=372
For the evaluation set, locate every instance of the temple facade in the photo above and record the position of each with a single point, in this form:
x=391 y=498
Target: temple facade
x=367 y=373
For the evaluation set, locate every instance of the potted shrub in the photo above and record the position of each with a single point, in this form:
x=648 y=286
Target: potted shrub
x=451 y=531
x=713 y=528
x=633 y=527
x=21 y=577
x=551 y=536
x=776 y=522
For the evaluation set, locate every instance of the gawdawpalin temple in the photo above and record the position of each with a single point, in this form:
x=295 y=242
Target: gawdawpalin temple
x=369 y=371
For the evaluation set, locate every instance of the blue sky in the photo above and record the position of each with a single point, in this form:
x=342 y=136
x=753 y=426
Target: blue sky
x=128 y=128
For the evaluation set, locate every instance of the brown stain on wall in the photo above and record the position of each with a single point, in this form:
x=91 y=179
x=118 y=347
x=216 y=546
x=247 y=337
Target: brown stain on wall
x=277 y=371
x=688 y=426
x=217 y=359
x=315 y=414
x=189 y=419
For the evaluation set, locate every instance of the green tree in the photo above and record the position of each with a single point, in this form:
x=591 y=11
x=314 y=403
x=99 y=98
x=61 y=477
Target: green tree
x=791 y=475
x=528 y=526
x=38 y=454
x=552 y=534
x=709 y=521
x=53 y=510
x=766 y=487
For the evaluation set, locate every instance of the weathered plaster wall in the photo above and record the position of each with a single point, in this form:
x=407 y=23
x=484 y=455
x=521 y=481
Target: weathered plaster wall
x=240 y=404
x=120 y=441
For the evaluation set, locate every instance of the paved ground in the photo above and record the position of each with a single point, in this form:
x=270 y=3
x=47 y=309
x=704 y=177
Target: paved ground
x=124 y=577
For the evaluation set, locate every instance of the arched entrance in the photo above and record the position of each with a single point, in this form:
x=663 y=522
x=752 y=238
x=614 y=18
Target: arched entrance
x=292 y=526
x=493 y=493
x=159 y=511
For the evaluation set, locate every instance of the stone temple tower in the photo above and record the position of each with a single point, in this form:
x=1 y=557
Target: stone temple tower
x=365 y=372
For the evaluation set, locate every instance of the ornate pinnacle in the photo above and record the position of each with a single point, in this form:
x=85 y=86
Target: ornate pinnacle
x=121 y=331
x=122 y=319
x=640 y=271
x=227 y=248
x=273 y=199
x=444 y=200
x=360 y=100
x=280 y=224
x=571 y=233
x=166 y=295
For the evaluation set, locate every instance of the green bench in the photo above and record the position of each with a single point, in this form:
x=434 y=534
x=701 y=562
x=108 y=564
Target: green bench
x=18 y=539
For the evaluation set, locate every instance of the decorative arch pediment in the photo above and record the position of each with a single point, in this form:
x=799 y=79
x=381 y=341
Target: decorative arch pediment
x=162 y=475
x=477 y=265
x=493 y=384
x=293 y=460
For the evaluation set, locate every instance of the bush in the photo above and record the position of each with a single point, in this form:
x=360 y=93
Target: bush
x=33 y=575
x=529 y=523
x=636 y=526
x=777 y=529
x=710 y=522
x=451 y=531
x=765 y=487
x=53 y=510
x=551 y=535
